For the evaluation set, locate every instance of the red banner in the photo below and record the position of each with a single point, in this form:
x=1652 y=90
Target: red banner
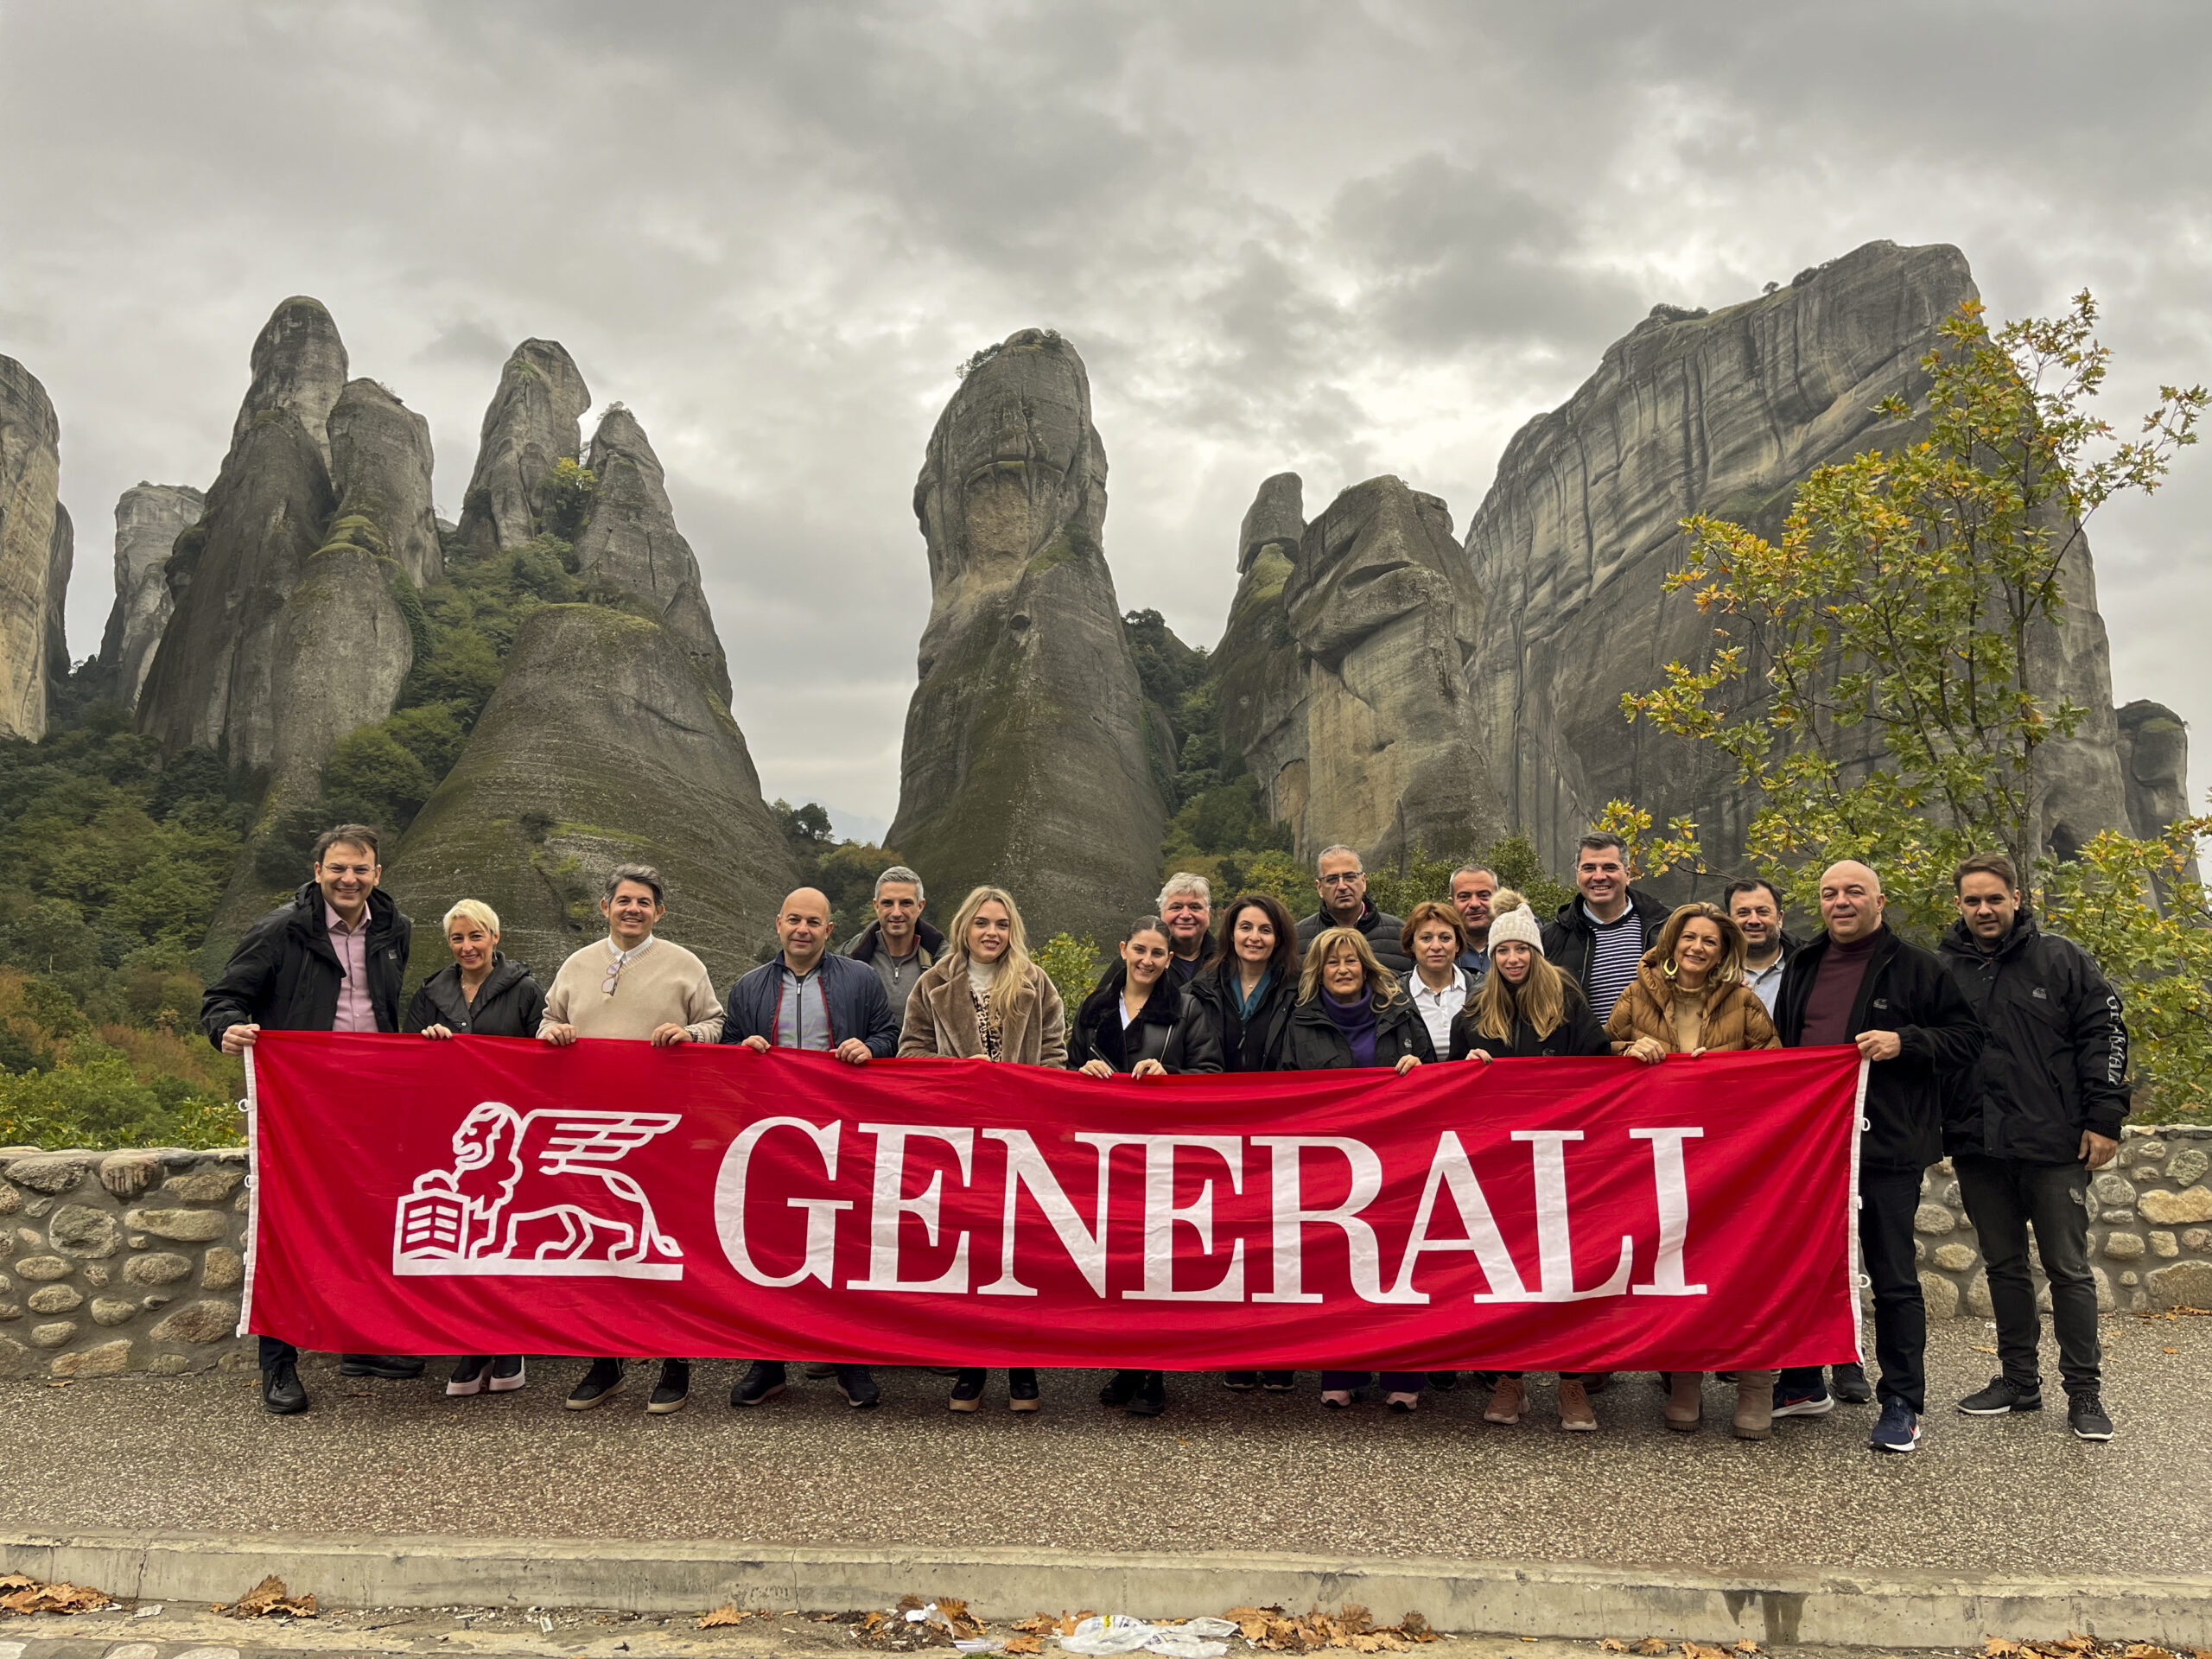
x=490 y=1196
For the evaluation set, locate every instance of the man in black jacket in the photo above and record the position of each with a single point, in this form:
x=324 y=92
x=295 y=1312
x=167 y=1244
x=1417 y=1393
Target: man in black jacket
x=898 y=944
x=1341 y=881
x=330 y=960
x=2044 y=1109
x=1859 y=982
x=1601 y=934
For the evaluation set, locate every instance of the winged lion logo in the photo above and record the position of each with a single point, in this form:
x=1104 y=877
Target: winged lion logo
x=536 y=1193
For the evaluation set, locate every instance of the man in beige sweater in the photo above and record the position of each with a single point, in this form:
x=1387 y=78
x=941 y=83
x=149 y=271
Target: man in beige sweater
x=636 y=987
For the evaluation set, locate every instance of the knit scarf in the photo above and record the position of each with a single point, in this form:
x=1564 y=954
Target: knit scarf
x=1357 y=1021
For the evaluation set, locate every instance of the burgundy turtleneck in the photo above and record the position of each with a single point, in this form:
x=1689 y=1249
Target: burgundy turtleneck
x=1835 y=989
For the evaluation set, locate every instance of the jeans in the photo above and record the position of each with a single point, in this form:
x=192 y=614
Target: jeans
x=2003 y=1197
x=1887 y=1201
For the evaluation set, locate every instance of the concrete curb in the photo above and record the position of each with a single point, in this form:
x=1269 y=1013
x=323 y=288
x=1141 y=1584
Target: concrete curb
x=1841 y=1609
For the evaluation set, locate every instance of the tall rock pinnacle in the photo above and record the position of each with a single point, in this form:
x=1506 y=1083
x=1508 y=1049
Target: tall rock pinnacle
x=380 y=468
x=632 y=544
x=61 y=559
x=30 y=479
x=148 y=517
x=211 y=682
x=530 y=423
x=1026 y=760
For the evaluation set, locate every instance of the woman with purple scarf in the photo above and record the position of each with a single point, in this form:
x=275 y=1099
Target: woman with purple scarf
x=1352 y=1011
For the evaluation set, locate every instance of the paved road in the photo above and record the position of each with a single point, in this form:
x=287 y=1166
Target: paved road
x=1218 y=1471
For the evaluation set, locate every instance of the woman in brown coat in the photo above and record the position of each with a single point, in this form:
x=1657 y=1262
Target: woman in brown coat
x=1689 y=998
x=982 y=999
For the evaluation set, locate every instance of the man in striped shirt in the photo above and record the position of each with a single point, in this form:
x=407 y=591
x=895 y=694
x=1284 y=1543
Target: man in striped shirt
x=1601 y=934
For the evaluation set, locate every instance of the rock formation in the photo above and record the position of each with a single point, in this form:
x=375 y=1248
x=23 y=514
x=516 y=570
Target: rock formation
x=1341 y=681
x=631 y=544
x=30 y=478
x=380 y=468
x=148 y=517
x=299 y=366
x=1723 y=413
x=602 y=746
x=531 y=424
x=211 y=682
x=2154 y=759
x=1027 y=759
x=61 y=559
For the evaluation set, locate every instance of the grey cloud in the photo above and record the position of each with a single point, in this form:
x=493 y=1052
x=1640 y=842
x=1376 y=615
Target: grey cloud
x=465 y=339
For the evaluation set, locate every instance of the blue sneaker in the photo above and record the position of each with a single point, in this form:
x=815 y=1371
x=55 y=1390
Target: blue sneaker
x=1898 y=1430
x=1802 y=1402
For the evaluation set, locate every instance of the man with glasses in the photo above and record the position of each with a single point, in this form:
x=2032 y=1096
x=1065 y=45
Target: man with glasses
x=632 y=986
x=1341 y=881
x=2039 y=1113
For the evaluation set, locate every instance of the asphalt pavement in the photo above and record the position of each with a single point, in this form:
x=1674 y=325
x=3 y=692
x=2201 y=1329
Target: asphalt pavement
x=1219 y=1472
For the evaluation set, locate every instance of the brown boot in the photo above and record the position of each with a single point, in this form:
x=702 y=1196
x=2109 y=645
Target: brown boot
x=1754 y=1405
x=1685 y=1401
x=1574 y=1411
x=1506 y=1400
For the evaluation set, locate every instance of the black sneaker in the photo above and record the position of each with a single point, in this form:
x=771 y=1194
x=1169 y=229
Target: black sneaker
x=508 y=1374
x=2085 y=1415
x=1444 y=1379
x=1278 y=1382
x=470 y=1376
x=605 y=1379
x=673 y=1389
x=394 y=1368
x=762 y=1382
x=1849 y=1384
x=1240 y=1382
x=1122 y=1389
x=281 y=1393
x=968 y=1391
x=858 y=1387
x=1021 y=1389
x=2003 y=1394
x=1150 y=1396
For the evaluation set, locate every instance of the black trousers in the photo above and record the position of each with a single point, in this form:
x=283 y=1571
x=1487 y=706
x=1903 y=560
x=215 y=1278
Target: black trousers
x=2003 y=1197
x=1887 y=1201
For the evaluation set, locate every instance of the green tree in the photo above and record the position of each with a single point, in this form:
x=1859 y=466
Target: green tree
x=567 y=497
x=1073 y=965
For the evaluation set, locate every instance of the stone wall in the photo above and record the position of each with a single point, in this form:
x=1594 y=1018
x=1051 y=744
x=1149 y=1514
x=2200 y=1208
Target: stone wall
x=121 y=1261
x=133 y=1261
x=2150 y=1231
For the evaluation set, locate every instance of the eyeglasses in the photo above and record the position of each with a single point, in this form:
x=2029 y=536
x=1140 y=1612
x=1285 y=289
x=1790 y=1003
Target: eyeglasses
x=614 y=973
x=1343 y=881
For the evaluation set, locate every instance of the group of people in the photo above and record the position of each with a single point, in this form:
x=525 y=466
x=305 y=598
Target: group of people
x=2006 y=1049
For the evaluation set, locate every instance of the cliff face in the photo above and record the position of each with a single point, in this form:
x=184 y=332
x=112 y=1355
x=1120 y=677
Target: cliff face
x=299 y=367
x=30 y=479
x=530 y=423
x=148 y=517
x=61 y=559
x=602 y=746
x=1026 y=761
x=380 y=465
x=1725 y=414
x=631 y=544
x=1358 y=730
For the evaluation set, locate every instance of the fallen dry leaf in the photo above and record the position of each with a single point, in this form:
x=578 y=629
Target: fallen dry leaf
x=1612 y=1644
x=2147 y=1650
x=727 y=1614
x=1023 y=1644
x=270 y=1599
x=1998 y=1648
x=1039 y=1624
x=1747 y=1646
x=1651 y=1644
x=19 y=1595
x=1695 y=1651
x=2170 y=1351
x=1980 y=1350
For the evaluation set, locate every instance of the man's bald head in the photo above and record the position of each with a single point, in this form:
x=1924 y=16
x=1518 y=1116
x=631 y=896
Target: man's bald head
x=803 y=928
x=1851 y=900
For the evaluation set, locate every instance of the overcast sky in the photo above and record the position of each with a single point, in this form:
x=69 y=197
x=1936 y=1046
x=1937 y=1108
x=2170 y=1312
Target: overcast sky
x=1342 y=239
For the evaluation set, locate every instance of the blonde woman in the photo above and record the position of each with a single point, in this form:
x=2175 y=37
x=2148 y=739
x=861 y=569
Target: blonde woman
x=984 y=999
x=1524 y=1009
x=480 y=994
x=1689 y=997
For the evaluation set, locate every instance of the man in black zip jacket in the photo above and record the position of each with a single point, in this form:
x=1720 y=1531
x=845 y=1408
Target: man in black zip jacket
x=1858 y=982
x=330 y=960
x=2044 y=1109
x=1601 y=934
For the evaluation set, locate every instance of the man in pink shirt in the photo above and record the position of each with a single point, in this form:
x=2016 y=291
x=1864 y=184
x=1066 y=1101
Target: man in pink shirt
x=330 y=960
